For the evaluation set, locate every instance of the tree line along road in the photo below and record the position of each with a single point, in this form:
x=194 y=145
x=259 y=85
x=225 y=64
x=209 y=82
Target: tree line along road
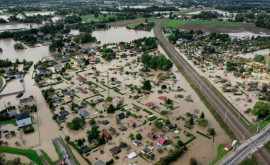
x=239 y=128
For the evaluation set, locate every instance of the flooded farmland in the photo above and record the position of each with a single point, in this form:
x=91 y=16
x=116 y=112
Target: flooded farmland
x=120 y=34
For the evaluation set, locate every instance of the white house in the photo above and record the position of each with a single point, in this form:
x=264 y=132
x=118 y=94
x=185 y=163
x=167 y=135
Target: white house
x=23 y=119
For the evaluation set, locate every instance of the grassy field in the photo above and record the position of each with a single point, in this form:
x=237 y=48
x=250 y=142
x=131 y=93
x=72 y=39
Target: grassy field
x=263 y=124
x=173 y=23
x=221 y=153
x=31 y=154
x=248 y=162
x=8 y=122
x=268 y=145
x=100 y=17
x=220 y=23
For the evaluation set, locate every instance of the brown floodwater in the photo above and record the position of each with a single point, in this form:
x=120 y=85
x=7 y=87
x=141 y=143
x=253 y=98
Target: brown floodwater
x=11 y=26
x=30 y=54
x=120 y=34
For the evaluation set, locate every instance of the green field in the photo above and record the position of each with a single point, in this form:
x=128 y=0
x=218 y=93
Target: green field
x=92 y=17
x=248 y=162
x=173 y=23
x=268 y=145
x=31 y=154
x=220 y=23
x=221 y=153
x=8 y=122
x=187 y=15
x=263 y=124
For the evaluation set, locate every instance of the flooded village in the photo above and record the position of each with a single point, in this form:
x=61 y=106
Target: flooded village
x=100 y=88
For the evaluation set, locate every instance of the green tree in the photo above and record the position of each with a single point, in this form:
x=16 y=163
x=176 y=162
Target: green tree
x=111 y=109
x=191 y=121
x=261 y=109
x=138 y=136
x=193 y=161
x=180 y=143
x=211 y=131
x=202 y=122
x=202 y=115
x=67 y=138
x=147 y=85
x=92 y=122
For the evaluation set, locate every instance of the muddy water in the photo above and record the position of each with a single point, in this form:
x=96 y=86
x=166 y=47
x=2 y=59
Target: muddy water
x=10 y=26
x=12 y=156
x=119 y=34
x=253 y=54
x=29 y=54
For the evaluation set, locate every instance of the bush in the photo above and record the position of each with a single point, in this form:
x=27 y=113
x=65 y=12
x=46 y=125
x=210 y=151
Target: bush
x=28 y=129
x=116 y=157
x=138 y=136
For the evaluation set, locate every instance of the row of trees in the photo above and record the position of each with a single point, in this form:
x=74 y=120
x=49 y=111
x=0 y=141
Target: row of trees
x=156 y=62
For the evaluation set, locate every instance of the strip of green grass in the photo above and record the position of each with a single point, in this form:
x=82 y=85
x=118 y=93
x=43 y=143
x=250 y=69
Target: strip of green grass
x=220 y=23
x=248 y=162
x=268 y=145
x=8 y=122
x=100 y=17
x=263 y=124
x=173 y=23
x=46 y=156
x=220 y=154
x=31 y=154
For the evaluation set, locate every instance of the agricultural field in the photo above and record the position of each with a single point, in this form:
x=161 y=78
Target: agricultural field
x=173 y=23
x=220 y=23
x=100 y=17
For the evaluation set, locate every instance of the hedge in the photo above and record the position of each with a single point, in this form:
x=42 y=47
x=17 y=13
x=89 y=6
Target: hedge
x=203 y=134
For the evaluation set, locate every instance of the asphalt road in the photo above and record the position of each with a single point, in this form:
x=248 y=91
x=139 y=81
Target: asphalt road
x=240 y=129
x=65 y=154
x=247 y=148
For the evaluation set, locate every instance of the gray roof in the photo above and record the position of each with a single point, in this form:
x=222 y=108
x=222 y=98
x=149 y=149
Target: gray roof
x=84 y=113
x=25 y=100
x=22 y=116
x=64 y=59
x=100 y=162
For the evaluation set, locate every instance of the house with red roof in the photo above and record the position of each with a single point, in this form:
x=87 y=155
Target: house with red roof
x=131 y=123
x=161 y=140
x=121 y=46
x=82 y=79
x=228 y=147
x=151 y=136
x=162 y=97
x=150 y=104
x=106 y=135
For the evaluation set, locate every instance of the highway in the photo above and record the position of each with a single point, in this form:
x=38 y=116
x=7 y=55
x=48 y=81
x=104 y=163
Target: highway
x=246 y=149
x=219 y=104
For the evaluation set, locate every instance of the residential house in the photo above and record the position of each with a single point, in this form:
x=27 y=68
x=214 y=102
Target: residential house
x=162 y=97
x=228 y=147
x=146 y=150
x=61 y=118
x=81 y=56
x=137 y=143
x=162 y=140
x=26 y=103
x=56 y=99
x=132 y=155
x=64 y=59
x=151 y=136
x=122 y=128
x=131 y=123
x=115 y=150
x=100 y=162
x=105 y=122
x=83 y=113
x=23 y=119
x=82 y=79
x=121 y=116
x=41 y=71
x=169 y=126
x=93 y=59
x=121 y=46
x=106 y=135
x=78 y=63
x=58 y=67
